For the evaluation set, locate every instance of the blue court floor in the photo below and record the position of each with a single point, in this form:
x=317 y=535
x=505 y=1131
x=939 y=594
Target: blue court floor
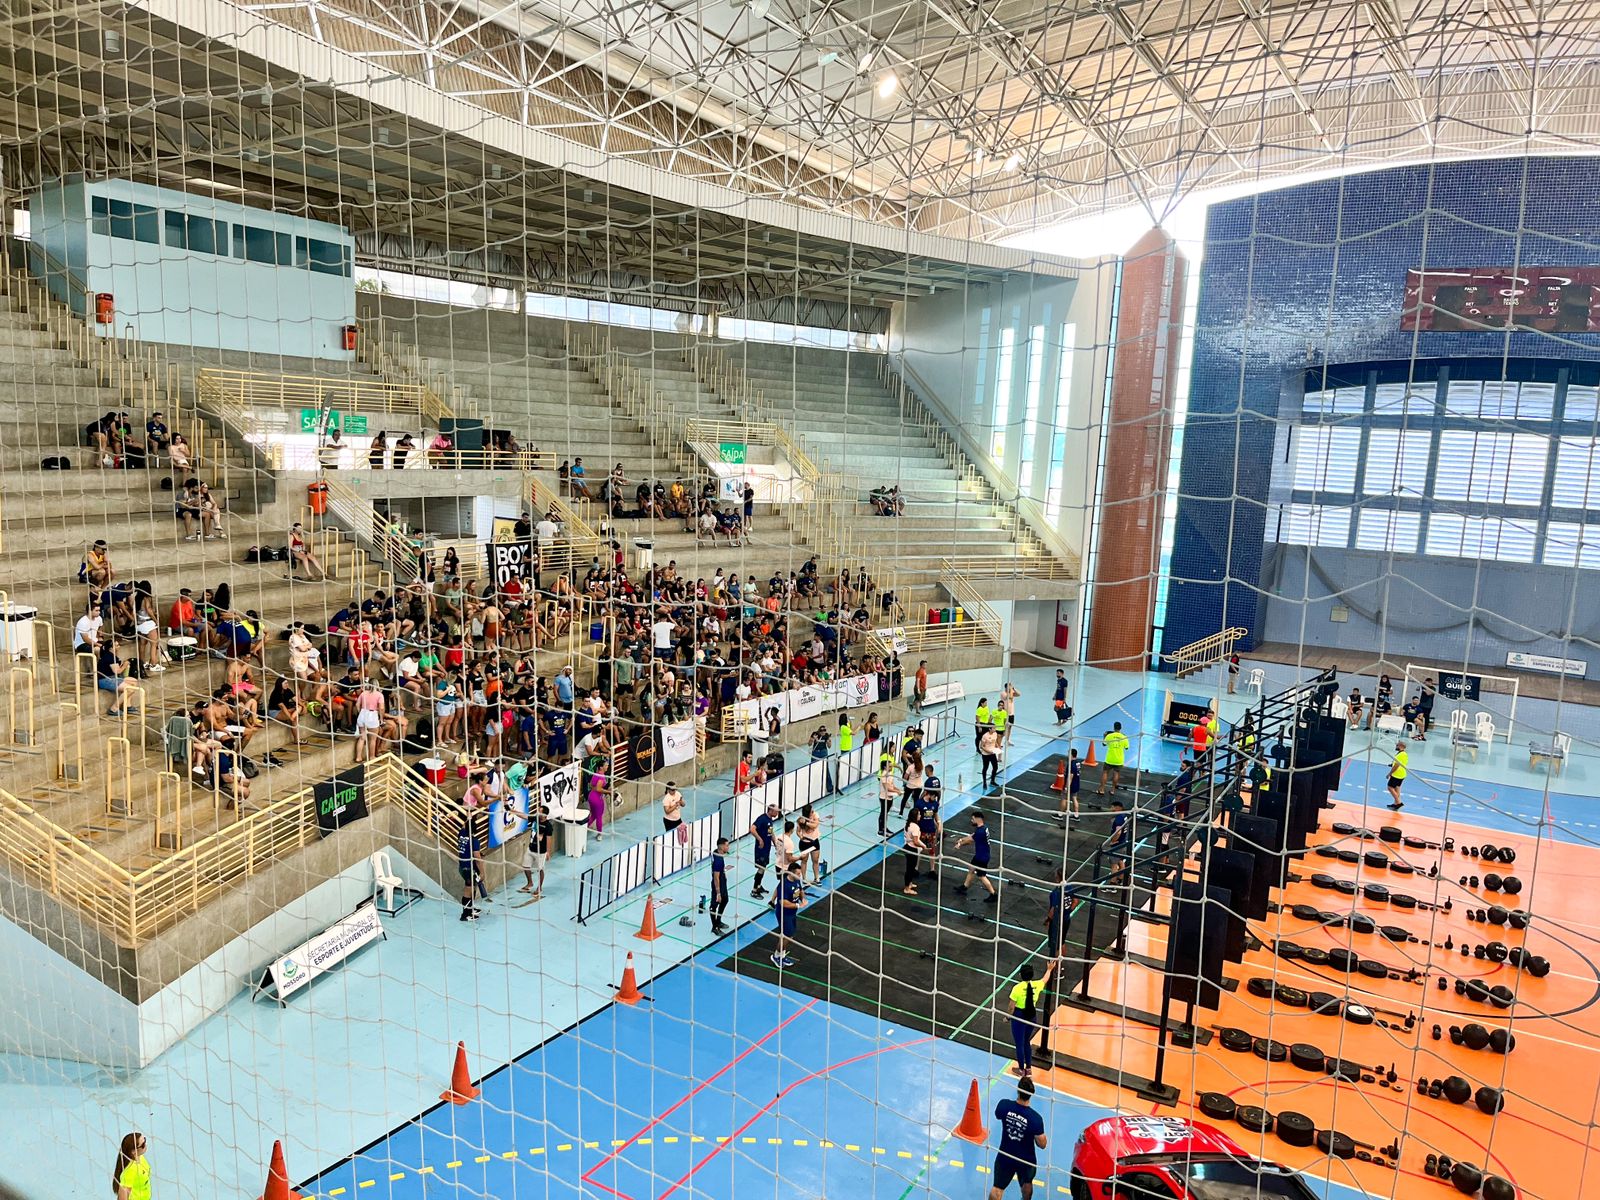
x=583 y=1097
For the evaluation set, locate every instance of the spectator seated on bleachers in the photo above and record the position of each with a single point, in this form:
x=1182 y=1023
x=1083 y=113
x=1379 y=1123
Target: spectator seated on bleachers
x=887 y=501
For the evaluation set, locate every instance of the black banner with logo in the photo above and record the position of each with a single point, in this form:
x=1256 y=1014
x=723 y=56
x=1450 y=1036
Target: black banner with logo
x=341 y=800
x=1453 y=685
x=509 y=556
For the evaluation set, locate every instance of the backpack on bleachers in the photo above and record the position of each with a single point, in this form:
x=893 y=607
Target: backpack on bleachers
x=55 y=463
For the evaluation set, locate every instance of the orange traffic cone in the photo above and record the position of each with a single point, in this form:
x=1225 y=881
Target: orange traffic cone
x=647 y=928
x=971 y=1128
x=461 y=1089
x=1060 y=785
x=1091 y=761
x=629 y=992
x=277 y=1187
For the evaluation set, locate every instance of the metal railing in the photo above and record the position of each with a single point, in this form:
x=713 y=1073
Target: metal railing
x=133 y=906
x=399 y=362
x=267 y=389
x=1201 y=653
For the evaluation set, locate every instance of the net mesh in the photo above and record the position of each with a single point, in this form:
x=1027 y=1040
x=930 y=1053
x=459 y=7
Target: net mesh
x=442 y=431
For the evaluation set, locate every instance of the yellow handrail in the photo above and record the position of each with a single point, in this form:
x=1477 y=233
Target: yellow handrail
x=1207 y=650
x=266 y=389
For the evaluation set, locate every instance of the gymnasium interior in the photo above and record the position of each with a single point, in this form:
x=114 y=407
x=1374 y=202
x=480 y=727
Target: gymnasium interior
x=807 y=599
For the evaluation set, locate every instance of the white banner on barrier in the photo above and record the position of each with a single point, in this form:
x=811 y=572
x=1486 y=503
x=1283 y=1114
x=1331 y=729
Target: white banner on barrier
x=805 y=703
x=857 y=765
x=857 y=691
x=508 y=817
x=677 y=743
x=559 y=791
x=288 y=974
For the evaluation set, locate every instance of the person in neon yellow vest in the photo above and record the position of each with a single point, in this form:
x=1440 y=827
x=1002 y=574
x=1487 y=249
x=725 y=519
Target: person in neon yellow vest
x=1116 y=756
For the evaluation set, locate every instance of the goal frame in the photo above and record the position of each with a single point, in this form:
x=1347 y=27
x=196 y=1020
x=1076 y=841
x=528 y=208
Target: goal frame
x=1415 y=674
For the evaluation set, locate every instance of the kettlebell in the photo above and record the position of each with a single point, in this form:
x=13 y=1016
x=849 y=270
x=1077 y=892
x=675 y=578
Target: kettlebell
x=1489 y=1100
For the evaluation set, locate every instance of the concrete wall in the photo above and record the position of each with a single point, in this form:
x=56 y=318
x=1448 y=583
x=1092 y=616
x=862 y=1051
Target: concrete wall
x=950 y=344
x=181 y=296
x=56 y=1009
x=1426 y=609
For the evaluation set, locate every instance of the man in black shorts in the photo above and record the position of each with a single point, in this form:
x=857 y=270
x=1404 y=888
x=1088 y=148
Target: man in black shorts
x=761 y=830
x=1022 y=1135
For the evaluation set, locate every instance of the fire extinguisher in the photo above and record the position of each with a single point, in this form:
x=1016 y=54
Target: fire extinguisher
x=1063 y=632
x=349 y=332
x=105 y=312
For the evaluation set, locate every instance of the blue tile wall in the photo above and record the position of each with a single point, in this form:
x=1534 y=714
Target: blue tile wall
x=1316 y=274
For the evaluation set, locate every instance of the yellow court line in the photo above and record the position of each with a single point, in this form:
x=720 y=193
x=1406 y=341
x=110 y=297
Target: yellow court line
x=720 y=1139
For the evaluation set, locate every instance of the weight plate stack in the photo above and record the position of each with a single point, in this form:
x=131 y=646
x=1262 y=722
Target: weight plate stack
x=1272 y=1051
x=1296 y=1129
x=1340 y=1145
x=1235 y=1039
x=1217 y=1106
x=1254 y=1118
x=1307 y=1057
x=1289 y=997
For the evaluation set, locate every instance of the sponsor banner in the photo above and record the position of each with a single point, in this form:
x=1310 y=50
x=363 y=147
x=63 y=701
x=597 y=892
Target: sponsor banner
x=341 y=800
x=677 y=743
x=291 y=972
x=508 y=817
x=509 y=556
x=1453 y=685
x=942 y=693
x=1547 y=664
x=806 y=703
x=560 y=791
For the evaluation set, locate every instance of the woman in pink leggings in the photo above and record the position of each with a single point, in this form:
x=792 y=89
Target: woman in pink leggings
x=597 y=802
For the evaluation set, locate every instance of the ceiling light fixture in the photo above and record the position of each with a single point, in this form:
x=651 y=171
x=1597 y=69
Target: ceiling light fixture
x=1014 y=161
x=888 y=85
x=215 y=185
x=826 y=57
x=864 y=64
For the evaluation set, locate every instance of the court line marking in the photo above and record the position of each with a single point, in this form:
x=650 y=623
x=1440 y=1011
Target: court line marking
x=588 y=1176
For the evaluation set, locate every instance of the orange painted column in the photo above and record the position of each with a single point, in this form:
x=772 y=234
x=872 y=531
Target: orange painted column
x=1139 y=414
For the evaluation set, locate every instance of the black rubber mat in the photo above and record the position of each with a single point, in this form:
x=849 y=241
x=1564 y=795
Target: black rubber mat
x=937 y=961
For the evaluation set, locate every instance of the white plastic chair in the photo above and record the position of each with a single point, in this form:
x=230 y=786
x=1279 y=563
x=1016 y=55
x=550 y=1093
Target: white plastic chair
x=1563 y=743
x=1255 y=681
x=383 y=877
x=1341 y=708
x=1458 y=720
x=1485 y=729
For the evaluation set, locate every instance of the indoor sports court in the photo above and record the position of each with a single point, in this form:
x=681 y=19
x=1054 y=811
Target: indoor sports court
x=798 y=599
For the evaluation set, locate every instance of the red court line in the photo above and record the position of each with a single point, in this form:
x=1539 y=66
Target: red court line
x=767 y=1107
x=690 y=1095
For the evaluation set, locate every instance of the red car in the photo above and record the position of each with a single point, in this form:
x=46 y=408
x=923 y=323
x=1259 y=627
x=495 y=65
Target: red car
x=1168 y=1158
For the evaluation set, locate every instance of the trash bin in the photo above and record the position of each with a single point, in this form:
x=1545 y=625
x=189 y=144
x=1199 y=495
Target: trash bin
x=644 y=554
x=317 y=498
x=16 y=634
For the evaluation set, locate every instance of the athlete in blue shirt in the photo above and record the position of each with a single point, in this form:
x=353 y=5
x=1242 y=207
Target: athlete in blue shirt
x=719 y=885
x=791 y=895
x=761 y=830
x=978 y=839
x=1062 y=898
x=1022 y=1136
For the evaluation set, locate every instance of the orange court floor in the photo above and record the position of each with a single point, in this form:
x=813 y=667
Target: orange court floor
x=1543 y=1140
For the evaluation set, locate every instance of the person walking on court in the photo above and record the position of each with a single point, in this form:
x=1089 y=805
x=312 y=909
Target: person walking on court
x=989 y=751
x=761 y=830
x=1059 y=919
x=1397 y=774
x=1069 y=797
x=1059 y=703
x=919 y=687
x=1022 y=1136
x=888 y=789
x=130 y=1178
x=671 y=808
x=1233 y=673
x=982 y=722
x=541 y=831
x=913 y=851
x=719 y=885
x=978 y=839
x=1116 y=755
x=791 y=895
x=1025 y=994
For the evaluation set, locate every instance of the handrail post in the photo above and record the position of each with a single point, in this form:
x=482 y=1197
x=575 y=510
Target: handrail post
x=28 y=736
x=118 y=806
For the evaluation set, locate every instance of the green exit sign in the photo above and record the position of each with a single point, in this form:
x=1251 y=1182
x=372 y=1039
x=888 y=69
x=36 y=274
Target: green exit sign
x=355 y=423
x=732 y=452
x=311 y=418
